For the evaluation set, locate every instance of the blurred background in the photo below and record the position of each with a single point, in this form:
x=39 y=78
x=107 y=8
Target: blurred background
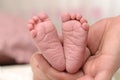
x=15 y=39
x=93 y=10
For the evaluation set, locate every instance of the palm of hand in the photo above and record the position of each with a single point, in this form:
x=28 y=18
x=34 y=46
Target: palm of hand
x=104 y=46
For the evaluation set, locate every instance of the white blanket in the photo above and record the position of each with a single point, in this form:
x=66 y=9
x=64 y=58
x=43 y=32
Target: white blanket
x=19 y=72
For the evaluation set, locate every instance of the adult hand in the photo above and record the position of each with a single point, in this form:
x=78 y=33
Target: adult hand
x=104 y=44
x=43 y=71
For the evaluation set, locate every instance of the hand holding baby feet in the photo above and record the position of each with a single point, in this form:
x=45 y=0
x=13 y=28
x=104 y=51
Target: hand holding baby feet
x=75 y=32
x=46 y=39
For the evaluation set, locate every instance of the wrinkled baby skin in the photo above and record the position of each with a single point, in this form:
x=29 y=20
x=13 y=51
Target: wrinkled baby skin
x=71 y=53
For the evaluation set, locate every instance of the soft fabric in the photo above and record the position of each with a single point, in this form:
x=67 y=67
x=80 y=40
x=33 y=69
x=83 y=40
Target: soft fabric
x=15 y=43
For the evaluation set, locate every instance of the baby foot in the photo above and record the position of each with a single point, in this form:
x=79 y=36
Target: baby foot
x=46 y=39
x=75 y=32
